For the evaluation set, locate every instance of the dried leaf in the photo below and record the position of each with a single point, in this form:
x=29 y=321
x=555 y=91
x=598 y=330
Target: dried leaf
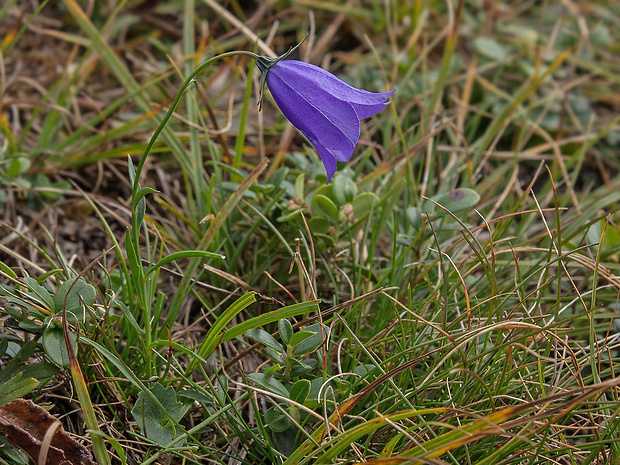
x=32 y=429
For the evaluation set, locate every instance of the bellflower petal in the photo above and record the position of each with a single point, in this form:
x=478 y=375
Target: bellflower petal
x=293 y=69
x=316 y=114
x=324 y=108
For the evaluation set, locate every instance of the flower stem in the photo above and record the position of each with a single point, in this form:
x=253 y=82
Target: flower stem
x=138 y=219
x=174 y=105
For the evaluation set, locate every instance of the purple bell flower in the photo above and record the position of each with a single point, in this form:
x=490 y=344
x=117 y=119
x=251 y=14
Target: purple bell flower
x=324 y=108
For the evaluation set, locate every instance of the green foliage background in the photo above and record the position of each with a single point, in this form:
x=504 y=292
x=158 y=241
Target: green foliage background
x=179 y=284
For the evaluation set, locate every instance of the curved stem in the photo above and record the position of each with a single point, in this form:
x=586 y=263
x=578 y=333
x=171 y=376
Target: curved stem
x=137 y=219
x=174 y=105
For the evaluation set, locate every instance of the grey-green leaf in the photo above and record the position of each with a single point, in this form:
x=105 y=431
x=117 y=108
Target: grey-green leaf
x=268 y=383
x=16 y=387
x=363 y=203
x=325 y=207
x=266 y=339
x=457 y=200
x=55 y=347
x=17 y=166
x=344 y=189
x=319 y=225
x=40 y=291
x=286 y=330
x=414 y=217
x=155 y=424
x=300 y=336
x=313 y=342
x=276 y=420
x=490 y=48
x=300 y=390
x=73 y=295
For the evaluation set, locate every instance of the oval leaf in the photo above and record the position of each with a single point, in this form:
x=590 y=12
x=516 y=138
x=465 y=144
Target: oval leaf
x=414 y=217
x=17 y=166
x=363 y=203
x=55 y=347
x=319 y=225
x=457 y=200
x=300 y=391
x=73 y=295
x=266 y=339
x=276 y=420
x=311 y=343
x=344 y=190
x=286 y=330
x=268 y=383
x=324 y=206
x=300 y=336
x=490 y=48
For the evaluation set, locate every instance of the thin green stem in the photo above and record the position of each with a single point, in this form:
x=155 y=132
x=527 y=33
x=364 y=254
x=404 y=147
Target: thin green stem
x=174 y=105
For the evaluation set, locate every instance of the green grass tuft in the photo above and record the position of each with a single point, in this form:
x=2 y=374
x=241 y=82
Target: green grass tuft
x=175 y=273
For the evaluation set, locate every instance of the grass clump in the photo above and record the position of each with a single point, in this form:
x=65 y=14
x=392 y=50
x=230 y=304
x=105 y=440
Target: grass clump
x=180 y=285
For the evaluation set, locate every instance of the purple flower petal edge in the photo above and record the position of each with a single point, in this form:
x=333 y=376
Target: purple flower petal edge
x=324 y=108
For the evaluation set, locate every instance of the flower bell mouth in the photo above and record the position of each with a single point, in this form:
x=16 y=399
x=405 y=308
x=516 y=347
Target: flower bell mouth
x=324 y=108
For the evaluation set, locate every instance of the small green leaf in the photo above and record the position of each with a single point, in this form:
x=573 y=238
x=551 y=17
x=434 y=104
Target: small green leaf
x=319 y=225
x=600 y=36
x=300 y=390
x=279 y=176
x=276 y=420
x=73 y=293
x=593 y=234
x=16 y=387
x=3 y=266
x=490 y=48
x=344 y=189
x=286 y=330
x=119 y=449
x=457 y=200
x=277 y=356
x=17 y=166
x=325 y=207
x=140 y=211
x=325 y=190
x=414 y=217
x=363 y=203
x=290 y=216
x=54 y=345
x=40 y=371
x=17 y=363
x=273 y=369
x=300 y=336
x=42 y=293
x=142 y=192
x=266 y=339
x=268 y=383
x=299 y=185
x=133 y=257
x=263 y=188
x=26 y=184
x=315 y=386
x=313 y=342
x=301 y=370
x=156 y=424
x=131 y=170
